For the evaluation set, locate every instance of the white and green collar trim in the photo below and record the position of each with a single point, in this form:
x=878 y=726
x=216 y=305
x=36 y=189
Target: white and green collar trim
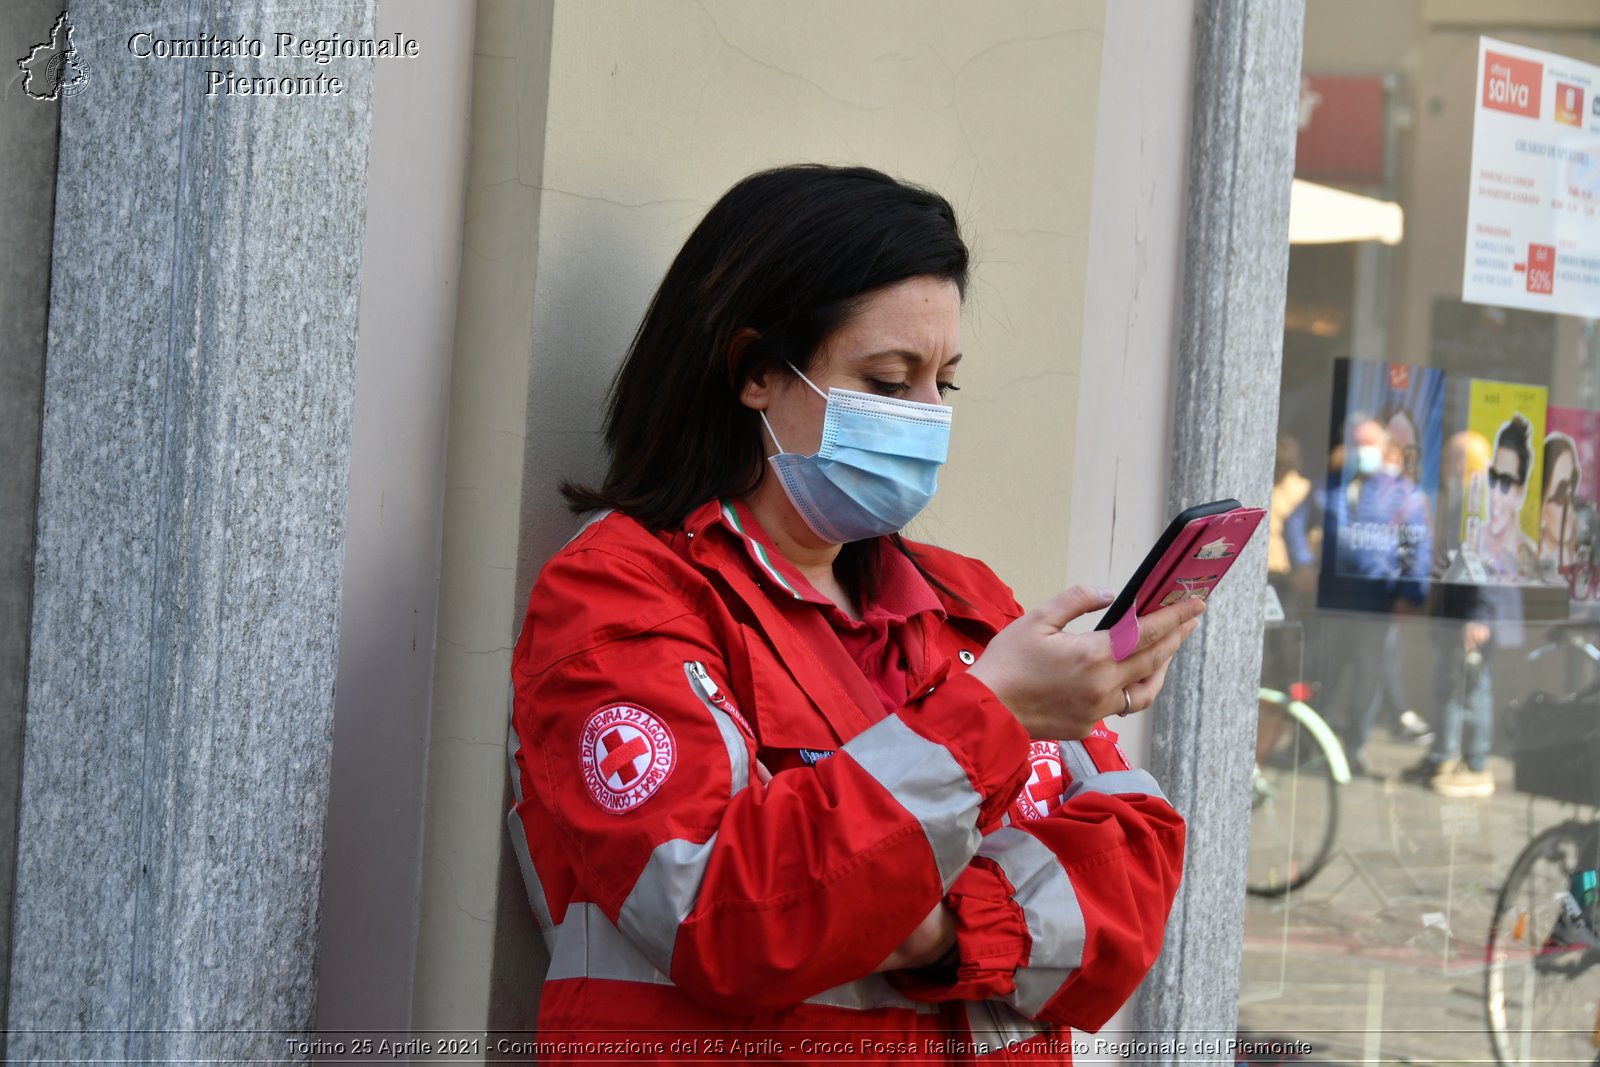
x=758 y=550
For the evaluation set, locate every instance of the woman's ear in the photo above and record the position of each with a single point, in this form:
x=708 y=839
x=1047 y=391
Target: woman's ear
x=755 y=392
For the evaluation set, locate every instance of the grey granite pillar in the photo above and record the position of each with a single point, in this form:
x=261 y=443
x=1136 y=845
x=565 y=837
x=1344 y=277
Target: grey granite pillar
x=1241 y=161
x=190 y=540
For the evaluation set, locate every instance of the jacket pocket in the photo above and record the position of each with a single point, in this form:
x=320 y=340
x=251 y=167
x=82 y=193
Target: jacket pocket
x=785 y=717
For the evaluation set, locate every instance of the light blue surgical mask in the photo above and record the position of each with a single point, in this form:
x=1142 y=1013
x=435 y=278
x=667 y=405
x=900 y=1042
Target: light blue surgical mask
x=878 y=465
x=1369 y=459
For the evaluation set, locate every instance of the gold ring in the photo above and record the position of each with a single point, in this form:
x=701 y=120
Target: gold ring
x=1127 y=702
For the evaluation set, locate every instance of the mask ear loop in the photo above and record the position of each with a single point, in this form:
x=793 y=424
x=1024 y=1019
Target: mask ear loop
x=763 y=413
x=770 y=433
x=808 y=381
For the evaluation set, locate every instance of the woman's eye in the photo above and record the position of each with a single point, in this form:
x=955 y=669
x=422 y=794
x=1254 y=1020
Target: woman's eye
x=946 y=388
x=887 y=388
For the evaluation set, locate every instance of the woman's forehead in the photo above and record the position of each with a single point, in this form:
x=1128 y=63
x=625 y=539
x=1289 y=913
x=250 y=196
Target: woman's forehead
x=910 y=323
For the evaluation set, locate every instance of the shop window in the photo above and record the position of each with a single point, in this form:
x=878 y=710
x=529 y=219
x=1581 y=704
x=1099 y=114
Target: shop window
x=1425 y=859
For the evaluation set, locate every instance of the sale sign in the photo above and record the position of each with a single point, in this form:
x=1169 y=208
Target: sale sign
x=1533 y=208
x=1540 y=269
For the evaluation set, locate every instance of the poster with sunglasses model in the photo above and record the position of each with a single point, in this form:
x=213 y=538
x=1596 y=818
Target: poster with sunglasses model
x=1568 y=524
x=1500 y=521
x=1378 y=523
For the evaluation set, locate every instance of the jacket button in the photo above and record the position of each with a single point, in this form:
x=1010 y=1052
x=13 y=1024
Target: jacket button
x=967 y=657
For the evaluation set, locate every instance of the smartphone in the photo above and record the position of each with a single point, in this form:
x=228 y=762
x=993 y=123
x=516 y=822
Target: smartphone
x=1188 y=560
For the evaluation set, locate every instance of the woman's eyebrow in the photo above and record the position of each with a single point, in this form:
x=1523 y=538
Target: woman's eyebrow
x=905 y=355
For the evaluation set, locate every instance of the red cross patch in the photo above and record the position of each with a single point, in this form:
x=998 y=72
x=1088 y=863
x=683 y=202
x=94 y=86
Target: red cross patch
x=627 y=754
x=1045 y=783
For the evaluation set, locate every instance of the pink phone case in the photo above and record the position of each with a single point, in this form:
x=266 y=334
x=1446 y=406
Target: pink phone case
x=1198 y=559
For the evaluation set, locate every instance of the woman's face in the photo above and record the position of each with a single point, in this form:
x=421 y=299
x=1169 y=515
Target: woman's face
x=903 y=342
x=1403 y=440
x=1557 y=497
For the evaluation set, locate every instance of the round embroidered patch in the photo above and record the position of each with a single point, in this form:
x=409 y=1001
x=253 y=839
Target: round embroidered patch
x=1045 y=780
x=627 y=754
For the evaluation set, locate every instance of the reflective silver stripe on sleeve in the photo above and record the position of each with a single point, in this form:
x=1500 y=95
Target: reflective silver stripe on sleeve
x=1115 y=783
x=738 y=757
x=530 y=877
x=663 y=896
x=519 y=841
x=588 y=946
x=669 y=885
x=1079 y=763
x=994 y=1024
x=928 y=782
x=869 y=994
x=1051 y=910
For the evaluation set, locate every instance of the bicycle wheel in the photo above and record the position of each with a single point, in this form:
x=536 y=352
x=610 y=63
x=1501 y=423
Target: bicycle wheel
x=1294 y=802
x=1541 y=989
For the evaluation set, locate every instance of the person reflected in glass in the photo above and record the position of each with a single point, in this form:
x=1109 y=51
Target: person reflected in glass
x=1403 y=435
x=1479 y=618
x=1401 y=427
x=1383 y=539
x=1294 y=529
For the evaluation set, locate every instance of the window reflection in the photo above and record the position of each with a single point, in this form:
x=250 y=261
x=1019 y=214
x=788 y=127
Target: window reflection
x=1425 y=863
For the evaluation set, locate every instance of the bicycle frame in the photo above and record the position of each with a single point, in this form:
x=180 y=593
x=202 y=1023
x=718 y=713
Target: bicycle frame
x=1306 y=716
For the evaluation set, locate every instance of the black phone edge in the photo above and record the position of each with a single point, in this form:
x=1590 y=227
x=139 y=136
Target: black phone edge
x=1130 y=592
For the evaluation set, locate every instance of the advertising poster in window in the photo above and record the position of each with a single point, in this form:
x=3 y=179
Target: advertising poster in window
x=1500 y=521
x=1378 y=520
x=1568 y=527
x=1533 y=213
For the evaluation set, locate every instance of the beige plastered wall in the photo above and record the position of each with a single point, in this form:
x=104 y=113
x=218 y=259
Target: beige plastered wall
x=601 y=132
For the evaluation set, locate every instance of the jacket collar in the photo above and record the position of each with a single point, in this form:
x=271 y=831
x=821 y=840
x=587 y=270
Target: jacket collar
x=724 y=539
x=736 y=519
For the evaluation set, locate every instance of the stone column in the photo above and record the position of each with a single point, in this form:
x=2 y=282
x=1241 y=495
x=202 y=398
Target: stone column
x=192 y=487
x=1241 y=162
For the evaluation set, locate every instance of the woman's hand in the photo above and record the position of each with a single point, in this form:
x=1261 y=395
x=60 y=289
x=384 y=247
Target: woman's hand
x=928 y=943
x=1059 y=685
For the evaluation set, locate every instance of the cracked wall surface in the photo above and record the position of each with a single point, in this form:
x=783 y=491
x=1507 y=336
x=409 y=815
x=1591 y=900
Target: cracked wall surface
x=656 y=109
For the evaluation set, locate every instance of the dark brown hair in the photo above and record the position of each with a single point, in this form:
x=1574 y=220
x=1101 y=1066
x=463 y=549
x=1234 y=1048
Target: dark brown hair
x=788 y=253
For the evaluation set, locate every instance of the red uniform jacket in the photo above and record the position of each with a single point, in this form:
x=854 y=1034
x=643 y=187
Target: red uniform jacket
x=687 y=905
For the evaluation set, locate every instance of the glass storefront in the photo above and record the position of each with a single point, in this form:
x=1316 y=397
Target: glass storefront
x=1425 y=837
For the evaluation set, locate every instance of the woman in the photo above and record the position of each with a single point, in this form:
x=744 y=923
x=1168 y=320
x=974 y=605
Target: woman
x=766 y=750
x=1558 y=511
